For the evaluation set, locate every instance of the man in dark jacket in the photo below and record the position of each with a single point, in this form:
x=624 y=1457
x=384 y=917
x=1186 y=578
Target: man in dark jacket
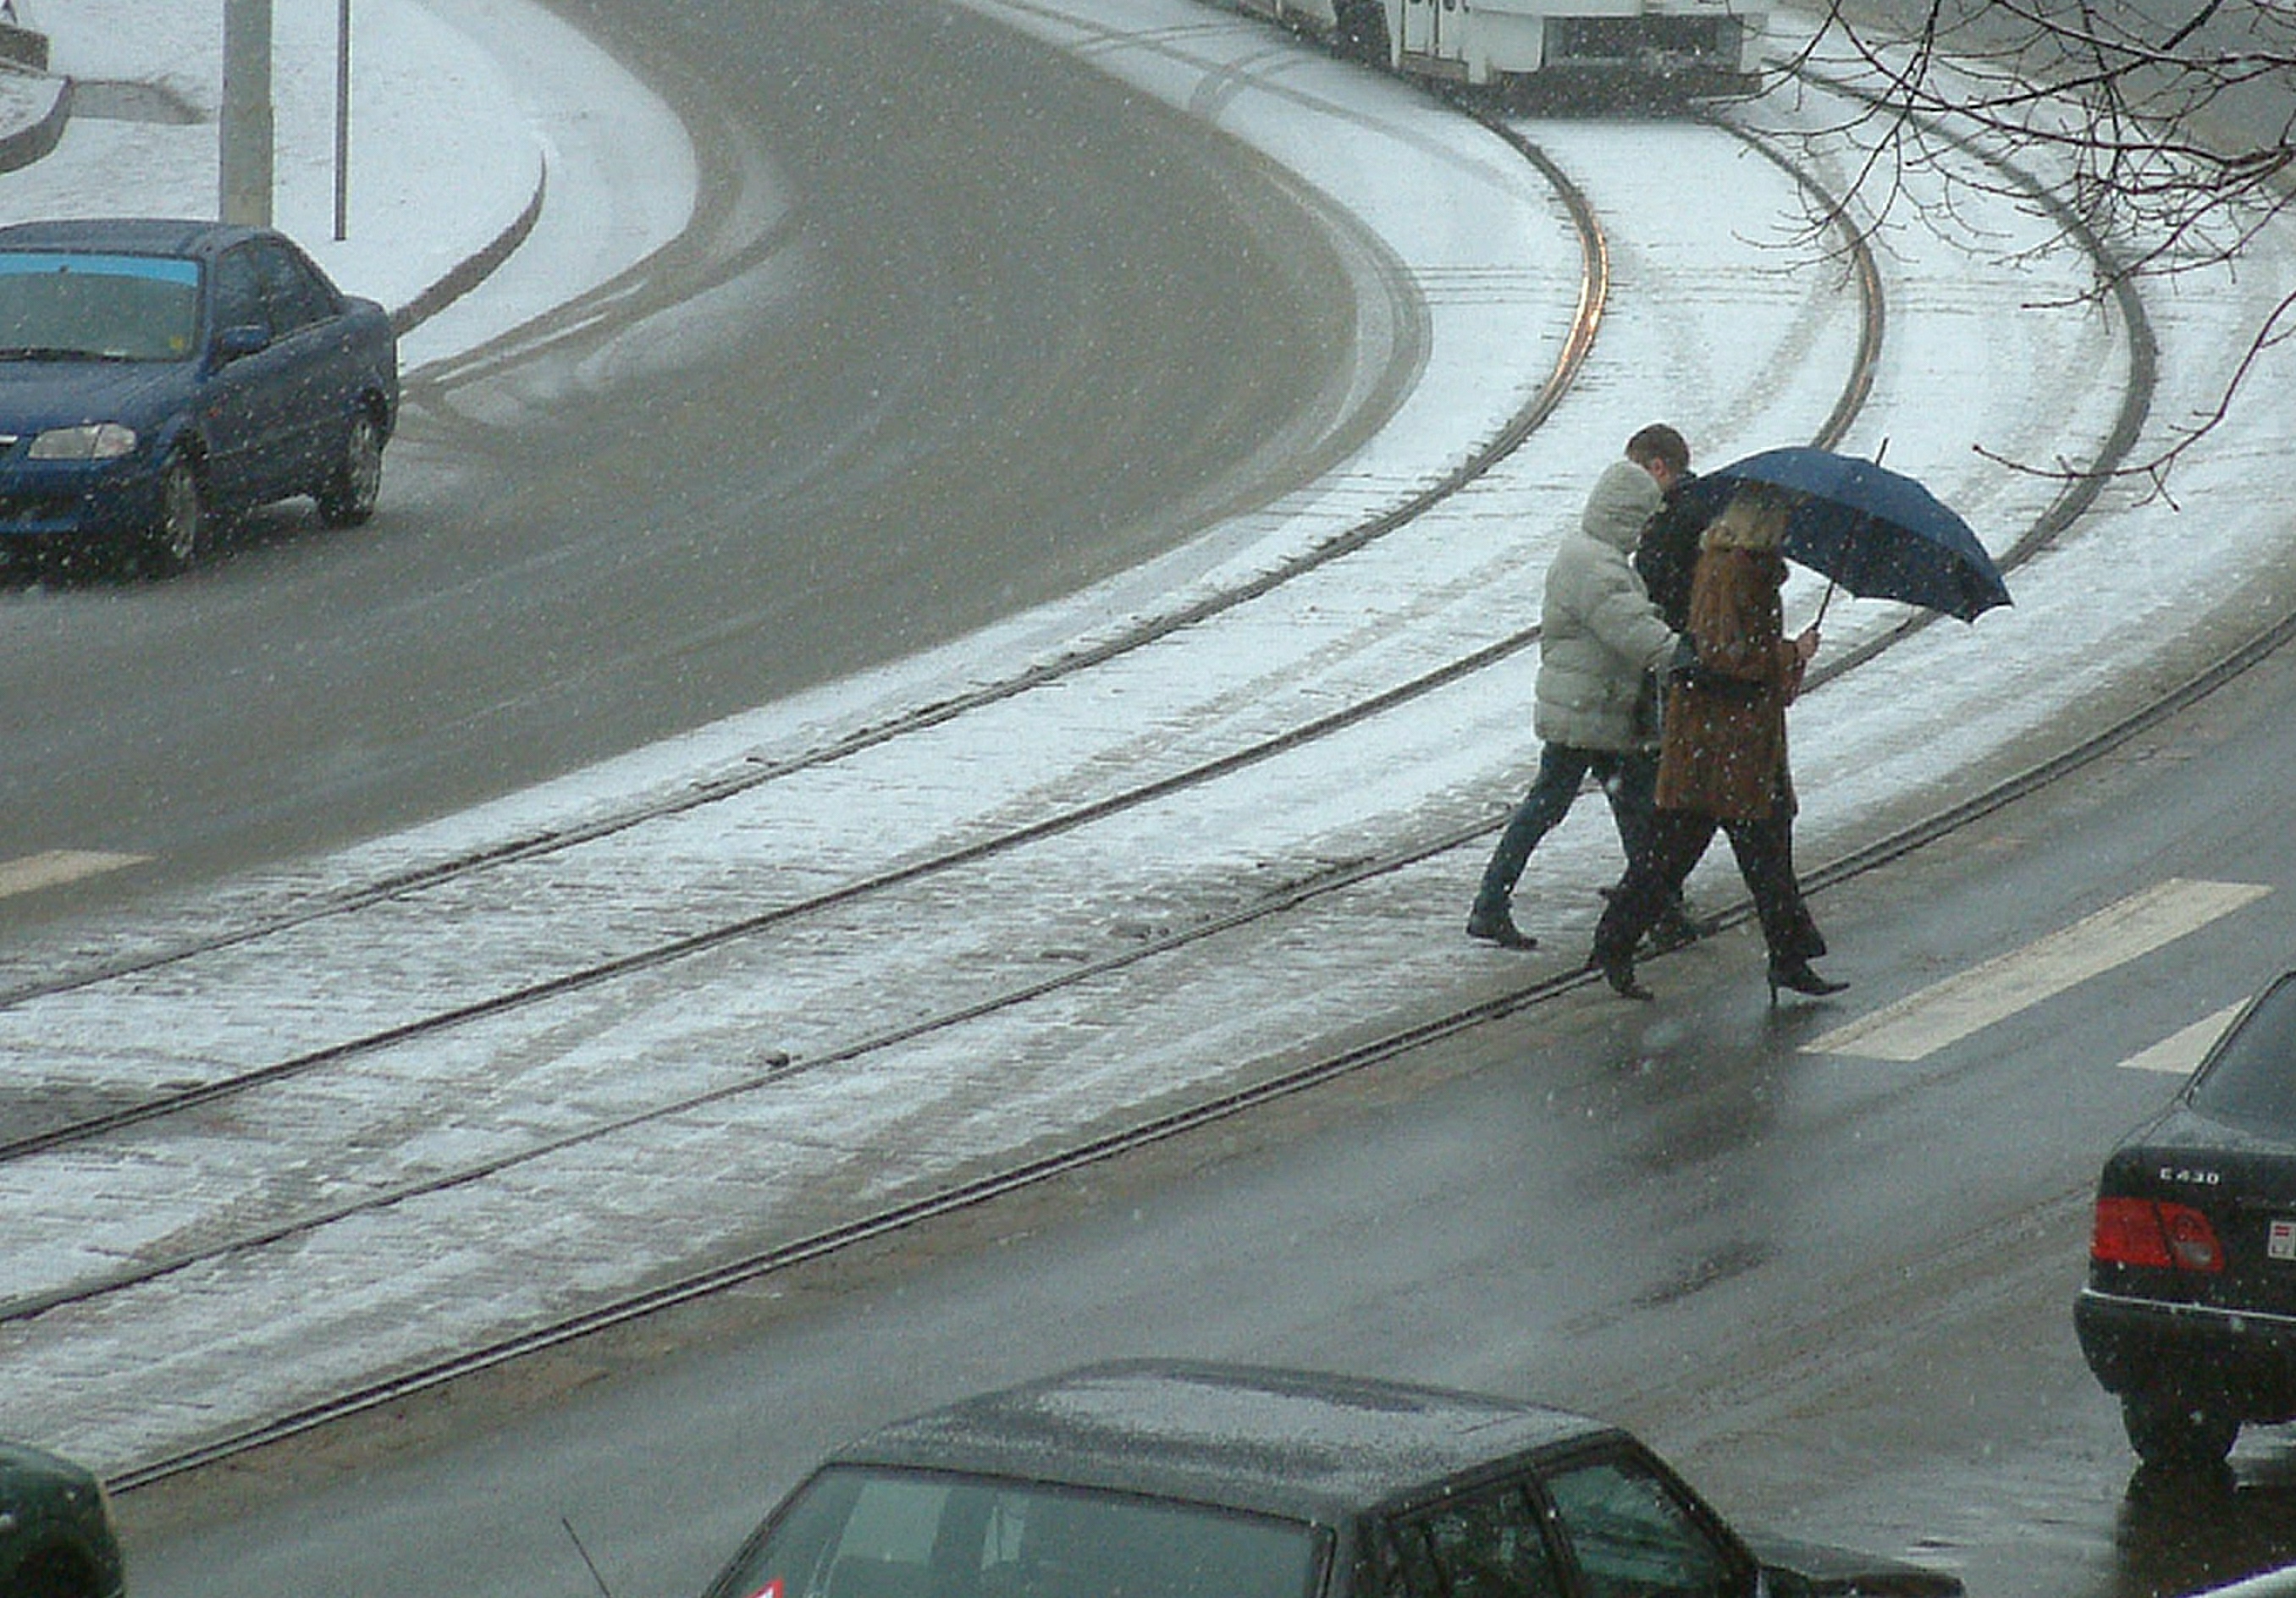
x=1665 y=557
x=1666 y=552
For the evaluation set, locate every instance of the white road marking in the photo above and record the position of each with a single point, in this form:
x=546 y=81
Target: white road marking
x=52 y=868
x=2177 y=1055
x=1948 y=1012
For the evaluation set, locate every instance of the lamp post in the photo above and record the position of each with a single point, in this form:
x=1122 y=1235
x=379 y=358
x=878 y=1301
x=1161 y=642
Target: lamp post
x=343 y=120
x=245 y=130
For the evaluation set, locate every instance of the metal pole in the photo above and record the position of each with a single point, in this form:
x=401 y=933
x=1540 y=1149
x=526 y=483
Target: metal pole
x=343 y=120
x=244 y=155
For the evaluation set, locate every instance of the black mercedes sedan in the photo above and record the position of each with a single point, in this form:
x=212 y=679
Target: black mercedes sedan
x=2189 y=1312
x=1191 y=1480
x=157 y=376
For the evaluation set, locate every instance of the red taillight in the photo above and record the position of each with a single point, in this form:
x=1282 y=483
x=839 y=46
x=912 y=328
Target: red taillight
x=2155 y=1234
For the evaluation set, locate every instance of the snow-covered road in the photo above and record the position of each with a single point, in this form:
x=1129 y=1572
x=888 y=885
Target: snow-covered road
x=1722 y=318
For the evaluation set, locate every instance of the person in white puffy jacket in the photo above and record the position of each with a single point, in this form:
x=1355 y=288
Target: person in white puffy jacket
x=1601 y=642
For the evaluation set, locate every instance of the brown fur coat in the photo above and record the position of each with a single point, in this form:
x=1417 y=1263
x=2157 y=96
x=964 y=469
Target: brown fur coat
x=1723 y=748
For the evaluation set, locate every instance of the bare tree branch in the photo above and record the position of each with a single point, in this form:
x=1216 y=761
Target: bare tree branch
x=2169 y=129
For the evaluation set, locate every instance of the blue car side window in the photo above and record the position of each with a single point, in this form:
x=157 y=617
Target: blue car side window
x=239 y=292
x=292 y=289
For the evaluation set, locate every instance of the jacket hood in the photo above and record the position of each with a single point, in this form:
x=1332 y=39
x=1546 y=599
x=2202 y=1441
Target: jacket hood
x=1624 y=499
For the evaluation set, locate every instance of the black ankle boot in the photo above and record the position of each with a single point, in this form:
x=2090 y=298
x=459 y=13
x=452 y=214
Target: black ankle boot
x=1498 y=927
x=1618 y=972
x=1793 y=971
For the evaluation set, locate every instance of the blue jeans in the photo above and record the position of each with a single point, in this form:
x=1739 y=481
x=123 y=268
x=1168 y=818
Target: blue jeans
x=1630 y=780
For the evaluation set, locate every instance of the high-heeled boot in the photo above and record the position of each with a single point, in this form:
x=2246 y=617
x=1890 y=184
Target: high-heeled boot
x=1793 y=971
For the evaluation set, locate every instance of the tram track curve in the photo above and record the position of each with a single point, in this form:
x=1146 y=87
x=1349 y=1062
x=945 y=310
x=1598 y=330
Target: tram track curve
x=1593 y=295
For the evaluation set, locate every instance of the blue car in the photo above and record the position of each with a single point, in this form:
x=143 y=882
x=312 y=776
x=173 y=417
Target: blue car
x=158 y=377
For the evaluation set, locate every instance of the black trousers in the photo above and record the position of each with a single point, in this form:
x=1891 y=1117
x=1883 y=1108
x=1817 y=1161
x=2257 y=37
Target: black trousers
x=1764 y=848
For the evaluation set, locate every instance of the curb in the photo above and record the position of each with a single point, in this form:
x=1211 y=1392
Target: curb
x=476 y=268
x=22 y=146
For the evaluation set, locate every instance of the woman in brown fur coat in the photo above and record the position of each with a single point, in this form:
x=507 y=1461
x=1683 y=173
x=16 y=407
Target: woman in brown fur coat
x=1722 y=759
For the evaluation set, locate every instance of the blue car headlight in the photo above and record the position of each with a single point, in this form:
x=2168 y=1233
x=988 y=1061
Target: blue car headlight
x=88 y=441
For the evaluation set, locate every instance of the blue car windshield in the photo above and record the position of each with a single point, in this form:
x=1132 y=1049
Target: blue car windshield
x=2252 y=1082
x=62 y=305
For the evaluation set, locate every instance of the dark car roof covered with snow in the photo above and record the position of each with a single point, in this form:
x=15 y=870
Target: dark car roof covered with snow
x=127 y=235
x=1312 y=1446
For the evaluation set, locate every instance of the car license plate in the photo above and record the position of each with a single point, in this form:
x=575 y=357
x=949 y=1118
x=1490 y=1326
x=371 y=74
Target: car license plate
x=2280 y=1244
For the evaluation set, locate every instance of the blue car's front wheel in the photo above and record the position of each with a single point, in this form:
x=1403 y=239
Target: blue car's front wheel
x=178 y=537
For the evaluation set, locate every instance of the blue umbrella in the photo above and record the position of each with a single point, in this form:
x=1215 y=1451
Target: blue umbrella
x=1875 y=532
